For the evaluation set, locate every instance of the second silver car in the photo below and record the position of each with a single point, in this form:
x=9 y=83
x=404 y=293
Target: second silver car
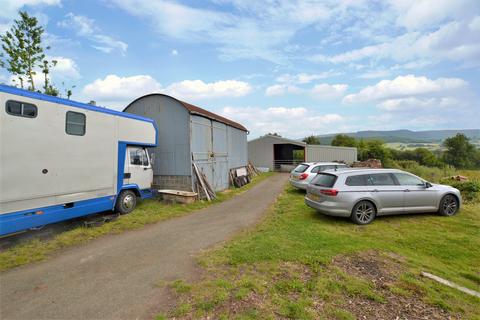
x=362 y=194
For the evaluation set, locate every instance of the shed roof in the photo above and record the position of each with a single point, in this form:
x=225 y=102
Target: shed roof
x=196 y=110
x=281 y=140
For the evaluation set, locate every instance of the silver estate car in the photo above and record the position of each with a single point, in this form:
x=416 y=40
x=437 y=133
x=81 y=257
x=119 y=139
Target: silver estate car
x=303 y=174
x=362 y=194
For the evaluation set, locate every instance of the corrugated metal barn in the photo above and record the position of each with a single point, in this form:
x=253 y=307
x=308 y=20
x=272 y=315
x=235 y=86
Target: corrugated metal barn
x=273 y=152
x=187 y=132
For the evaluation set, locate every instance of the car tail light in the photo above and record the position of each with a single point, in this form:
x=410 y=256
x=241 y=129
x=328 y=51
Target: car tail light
x=303 y=176
x=329 y=192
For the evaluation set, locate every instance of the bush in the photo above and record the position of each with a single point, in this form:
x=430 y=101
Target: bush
x=431 y=174
x=470 y=190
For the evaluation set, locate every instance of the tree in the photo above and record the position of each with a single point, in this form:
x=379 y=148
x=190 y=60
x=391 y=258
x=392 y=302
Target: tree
x=342 y=140
x=460 y=152
x=47 y=87
x=311 y=140
x=374 y=149
x=23 y=53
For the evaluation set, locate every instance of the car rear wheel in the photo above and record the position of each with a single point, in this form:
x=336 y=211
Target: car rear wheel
x=448 y=205
x=126 y=202
x=363 y=212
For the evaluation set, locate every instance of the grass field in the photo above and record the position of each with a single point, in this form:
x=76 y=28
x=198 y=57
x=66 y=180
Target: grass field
x=148 y=211
x=302 y=265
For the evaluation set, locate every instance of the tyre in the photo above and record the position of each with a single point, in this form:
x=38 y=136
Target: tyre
x=363 y=212
x=126 y=202
x=448 y=205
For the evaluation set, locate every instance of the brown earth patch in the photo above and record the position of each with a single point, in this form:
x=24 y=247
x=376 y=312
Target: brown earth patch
x=383 y=272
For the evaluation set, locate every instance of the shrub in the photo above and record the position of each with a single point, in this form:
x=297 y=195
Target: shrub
x=470 y=190
x=432 y=174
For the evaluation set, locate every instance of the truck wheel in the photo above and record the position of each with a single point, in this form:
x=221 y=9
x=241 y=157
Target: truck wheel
x=126 y=202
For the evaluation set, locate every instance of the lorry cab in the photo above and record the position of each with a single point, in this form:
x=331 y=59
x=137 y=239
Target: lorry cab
x=138 y=168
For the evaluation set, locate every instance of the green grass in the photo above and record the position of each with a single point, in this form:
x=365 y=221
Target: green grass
x=284 y=266
x=147 y=212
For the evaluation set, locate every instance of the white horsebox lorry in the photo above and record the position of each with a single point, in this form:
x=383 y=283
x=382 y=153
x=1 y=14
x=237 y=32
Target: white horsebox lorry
x=61 y=159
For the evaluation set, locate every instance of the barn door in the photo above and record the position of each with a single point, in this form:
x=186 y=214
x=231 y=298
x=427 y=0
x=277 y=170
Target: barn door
x=201 y=145
x=220 y=155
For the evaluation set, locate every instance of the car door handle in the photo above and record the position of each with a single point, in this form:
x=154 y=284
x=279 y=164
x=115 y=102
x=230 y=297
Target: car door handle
x=145 y=169
x=406 y=190
x=375 y=190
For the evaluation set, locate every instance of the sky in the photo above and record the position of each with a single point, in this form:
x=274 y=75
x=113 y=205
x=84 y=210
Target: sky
x=293 y=67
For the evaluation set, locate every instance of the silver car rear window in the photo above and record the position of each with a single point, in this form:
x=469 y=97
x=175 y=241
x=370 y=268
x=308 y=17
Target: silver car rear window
x=301 y=168
x=324 y=180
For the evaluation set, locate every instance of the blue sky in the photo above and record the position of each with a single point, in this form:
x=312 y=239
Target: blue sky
x=293 y=67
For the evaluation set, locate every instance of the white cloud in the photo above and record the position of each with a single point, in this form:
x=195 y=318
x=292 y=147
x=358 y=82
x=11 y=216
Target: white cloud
x=291 y=122
x=281 y=89
x=327 y=91
x=174 y=52
x=404 y=86
x=323 y=91
x=414 y=103
x=10 y=8
x=304 y=78
x=252 y=29
x=455 y=41
x=197 y=89
x=65 y=69
x=116 y=91
x=374 y=74
x=418 y=14
x=85 y=27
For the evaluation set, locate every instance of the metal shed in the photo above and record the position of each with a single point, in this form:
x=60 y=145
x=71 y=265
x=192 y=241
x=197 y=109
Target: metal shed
x=275 y=152
x=189 y=133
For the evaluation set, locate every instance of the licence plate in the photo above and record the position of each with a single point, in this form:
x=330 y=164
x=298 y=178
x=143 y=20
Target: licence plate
x=313 y=197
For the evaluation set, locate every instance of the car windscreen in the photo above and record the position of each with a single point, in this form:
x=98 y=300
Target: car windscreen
x=324 y=180
x=301 y=168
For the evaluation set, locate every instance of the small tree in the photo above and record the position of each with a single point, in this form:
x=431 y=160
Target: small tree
x=48 y=88
x=342 y=140
x=460 y=152
x=311 y=140
x=23 y=53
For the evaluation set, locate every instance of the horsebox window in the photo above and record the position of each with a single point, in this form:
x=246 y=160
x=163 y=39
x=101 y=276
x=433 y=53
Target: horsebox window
x=75 y=123
x=21 y=109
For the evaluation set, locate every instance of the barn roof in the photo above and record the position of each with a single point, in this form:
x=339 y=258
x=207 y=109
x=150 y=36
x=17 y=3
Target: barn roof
x=196 y=110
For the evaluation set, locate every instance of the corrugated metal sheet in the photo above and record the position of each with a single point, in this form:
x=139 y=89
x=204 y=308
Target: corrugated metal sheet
x=194 y=110
x=327 y=153
x=186 y=131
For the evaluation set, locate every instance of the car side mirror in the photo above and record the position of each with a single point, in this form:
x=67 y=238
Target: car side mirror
x=428 y=184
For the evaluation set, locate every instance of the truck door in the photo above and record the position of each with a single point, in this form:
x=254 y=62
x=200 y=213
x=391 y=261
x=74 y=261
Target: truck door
x=138 y=167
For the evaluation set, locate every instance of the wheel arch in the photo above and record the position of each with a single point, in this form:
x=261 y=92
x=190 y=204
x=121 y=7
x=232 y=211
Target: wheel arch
x=459 y=203
x=364 y=199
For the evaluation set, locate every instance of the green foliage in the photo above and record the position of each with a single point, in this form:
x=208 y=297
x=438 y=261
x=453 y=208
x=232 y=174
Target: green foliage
x=470 y=189
x=342 y=140
x=461 y=153
x=311 y=140
x=432 y=174
x=374 y=149
x=23 y=53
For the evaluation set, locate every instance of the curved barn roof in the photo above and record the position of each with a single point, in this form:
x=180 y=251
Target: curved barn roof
x=195 y=110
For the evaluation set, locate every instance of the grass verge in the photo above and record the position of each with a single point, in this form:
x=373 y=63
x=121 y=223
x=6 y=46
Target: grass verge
x=299 y=264
x=147 y=212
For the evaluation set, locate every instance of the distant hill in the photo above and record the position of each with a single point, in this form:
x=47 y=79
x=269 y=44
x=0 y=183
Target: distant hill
x=406 y=136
